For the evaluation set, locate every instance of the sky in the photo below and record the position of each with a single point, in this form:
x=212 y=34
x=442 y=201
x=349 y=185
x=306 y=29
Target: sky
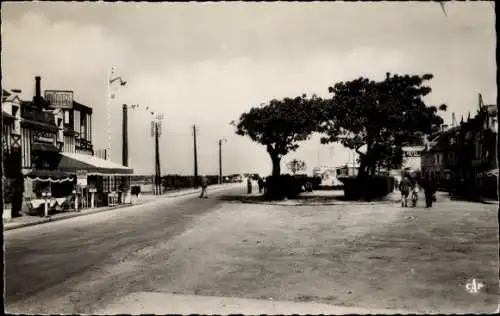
x=206 y=63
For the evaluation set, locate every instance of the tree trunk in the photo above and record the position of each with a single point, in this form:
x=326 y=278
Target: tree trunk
x=276 y=165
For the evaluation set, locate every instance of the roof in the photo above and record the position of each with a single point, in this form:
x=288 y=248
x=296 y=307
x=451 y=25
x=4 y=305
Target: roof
x=14 y=98
x=82 y=107
x=92 y=164
x=44 y=147
x=6 y=116
x=41 y=125
x=438 y=141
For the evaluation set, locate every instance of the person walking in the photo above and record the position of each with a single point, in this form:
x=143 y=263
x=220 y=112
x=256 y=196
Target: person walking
x=260 y=182
x=405 y=186
x=204 y=185
x=249 y=185
x=429 y=190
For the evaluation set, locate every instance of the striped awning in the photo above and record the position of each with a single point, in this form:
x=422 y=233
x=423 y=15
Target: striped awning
x=73 y=162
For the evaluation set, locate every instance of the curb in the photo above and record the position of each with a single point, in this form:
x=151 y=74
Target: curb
x=68 y=216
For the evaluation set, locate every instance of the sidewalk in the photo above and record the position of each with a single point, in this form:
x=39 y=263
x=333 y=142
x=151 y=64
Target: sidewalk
x=28 y=220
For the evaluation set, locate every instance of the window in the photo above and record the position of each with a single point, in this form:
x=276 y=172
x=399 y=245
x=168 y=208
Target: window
x=83 y=126
x=66 y=117
x=14 y=110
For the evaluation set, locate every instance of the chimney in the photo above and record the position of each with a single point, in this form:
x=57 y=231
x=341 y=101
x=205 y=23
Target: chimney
x=38 y=91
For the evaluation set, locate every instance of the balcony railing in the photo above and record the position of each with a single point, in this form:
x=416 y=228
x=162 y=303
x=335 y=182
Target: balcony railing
x=83 y=145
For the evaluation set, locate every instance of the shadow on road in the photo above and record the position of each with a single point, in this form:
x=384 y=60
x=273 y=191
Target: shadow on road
x=303 y=199
x=314 y=198
x=243 y=198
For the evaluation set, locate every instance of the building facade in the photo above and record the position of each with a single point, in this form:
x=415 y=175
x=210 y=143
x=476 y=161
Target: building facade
x=53 y=135
x=463 y=159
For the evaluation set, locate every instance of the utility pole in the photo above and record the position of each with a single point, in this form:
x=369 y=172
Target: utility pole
x=125 y=136
x=156 y=133
x=220 y=159
x=195 y=159
x=157 y=159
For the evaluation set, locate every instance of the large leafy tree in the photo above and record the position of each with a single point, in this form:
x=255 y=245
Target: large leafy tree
x=381 y=116
x=280 y=125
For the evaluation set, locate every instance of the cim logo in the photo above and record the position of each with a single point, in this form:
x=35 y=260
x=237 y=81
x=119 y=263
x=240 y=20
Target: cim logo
x=474 y=286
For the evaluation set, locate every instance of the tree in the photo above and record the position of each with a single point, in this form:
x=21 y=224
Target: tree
x=296 y=165
x=280 y=125
x=382 y=116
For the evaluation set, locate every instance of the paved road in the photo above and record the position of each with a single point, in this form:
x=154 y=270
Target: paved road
x=67 y=267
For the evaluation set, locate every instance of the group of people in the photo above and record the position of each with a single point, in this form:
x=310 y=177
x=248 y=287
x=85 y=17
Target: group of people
x=204 y=185
x=409 y=185
x=260 y=183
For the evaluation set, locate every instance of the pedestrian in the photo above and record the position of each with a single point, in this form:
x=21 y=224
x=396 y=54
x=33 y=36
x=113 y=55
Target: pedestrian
x=405 y=186
x=260 y=182
x=429 y=187
x=249 y=185
x=204 y=184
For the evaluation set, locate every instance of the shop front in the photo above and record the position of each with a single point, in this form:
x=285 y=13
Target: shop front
x=98 y=182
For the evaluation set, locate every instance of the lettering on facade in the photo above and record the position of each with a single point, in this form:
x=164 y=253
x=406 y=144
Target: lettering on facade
x=61 y=99
x=412 y=154
x=81 y=178
x=43 y=137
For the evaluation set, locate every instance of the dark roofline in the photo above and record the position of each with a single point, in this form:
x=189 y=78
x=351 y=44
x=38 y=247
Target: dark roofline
x=79 y=106
x=7 y=117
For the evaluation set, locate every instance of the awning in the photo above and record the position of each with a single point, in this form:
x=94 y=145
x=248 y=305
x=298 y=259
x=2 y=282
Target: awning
x=44 y=147
x=72 y=162
x=49 y=176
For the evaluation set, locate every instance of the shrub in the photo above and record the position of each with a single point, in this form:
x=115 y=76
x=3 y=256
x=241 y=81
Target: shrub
x=283 y=186
x=368 y=188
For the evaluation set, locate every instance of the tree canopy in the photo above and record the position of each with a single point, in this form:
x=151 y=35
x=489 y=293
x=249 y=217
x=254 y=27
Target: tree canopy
x=280 y=125
x=381 y=115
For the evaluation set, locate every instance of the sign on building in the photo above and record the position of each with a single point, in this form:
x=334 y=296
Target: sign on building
x=60 y=98
x=81 y=178
x=412 y=157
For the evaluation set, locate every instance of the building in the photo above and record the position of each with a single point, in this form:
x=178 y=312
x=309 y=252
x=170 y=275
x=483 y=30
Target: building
x=54 y=134
x=463 y=158
x=439 y=160
x=11 y=152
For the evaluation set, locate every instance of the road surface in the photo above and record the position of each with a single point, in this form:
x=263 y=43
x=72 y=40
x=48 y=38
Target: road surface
x=69 y=267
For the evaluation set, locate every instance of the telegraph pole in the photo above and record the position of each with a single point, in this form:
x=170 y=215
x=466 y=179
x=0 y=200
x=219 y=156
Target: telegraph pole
x=157 y=159
x=156 y=133
x=125 y=136
x=220 y=159
x=195 y=159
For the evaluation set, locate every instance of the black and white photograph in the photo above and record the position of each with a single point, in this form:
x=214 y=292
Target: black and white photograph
x=249 y=157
